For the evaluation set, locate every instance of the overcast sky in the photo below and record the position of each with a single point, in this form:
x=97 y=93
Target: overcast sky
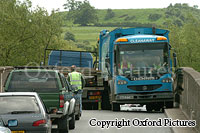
x=115 y=4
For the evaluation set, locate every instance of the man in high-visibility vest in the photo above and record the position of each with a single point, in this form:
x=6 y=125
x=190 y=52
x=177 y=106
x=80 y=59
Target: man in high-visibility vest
x=76 y=78
x=124 y=65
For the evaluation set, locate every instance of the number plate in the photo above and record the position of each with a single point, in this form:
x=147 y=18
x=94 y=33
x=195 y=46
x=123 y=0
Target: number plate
x=17 y=131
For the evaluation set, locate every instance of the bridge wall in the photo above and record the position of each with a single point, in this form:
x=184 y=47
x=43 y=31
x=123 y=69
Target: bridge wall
x=190 y=97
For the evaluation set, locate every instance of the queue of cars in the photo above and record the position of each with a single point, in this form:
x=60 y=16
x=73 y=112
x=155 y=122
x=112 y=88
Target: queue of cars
x=54 y=101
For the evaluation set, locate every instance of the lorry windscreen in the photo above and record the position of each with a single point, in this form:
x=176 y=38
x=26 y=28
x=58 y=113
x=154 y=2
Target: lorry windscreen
x=142 y=59
x=33 y=81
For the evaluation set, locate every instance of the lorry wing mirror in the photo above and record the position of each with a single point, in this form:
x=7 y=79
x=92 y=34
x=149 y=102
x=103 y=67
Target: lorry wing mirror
x=174 y=55
x=175 y=59
x=107 y=61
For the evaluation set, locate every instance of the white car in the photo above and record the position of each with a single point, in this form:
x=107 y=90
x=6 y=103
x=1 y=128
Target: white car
x=4 y=130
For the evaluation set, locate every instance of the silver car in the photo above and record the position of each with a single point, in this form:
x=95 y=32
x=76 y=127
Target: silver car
x=24 y=112
x=4 y=130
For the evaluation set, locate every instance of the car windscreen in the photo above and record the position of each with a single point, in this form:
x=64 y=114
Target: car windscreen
x=18 y=105
x=33 y=81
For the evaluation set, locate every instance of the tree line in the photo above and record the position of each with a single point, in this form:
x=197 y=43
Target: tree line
x=186 y=42
x=25 y=33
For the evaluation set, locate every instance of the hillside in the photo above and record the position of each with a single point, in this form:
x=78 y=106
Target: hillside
x=86 y=37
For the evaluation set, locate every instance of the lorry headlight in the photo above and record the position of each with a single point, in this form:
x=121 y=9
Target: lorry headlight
x=121 y=82
x=167 y=80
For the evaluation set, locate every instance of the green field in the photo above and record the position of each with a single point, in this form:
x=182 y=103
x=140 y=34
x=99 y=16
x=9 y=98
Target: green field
x=88 y=33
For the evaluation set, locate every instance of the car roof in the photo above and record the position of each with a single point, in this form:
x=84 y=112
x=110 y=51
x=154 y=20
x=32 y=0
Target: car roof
x=34 y=70
x=19 y=94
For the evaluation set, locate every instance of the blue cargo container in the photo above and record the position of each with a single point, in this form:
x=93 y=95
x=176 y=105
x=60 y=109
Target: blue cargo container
x=69 y=58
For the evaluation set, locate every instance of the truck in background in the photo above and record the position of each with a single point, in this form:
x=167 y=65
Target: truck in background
x=69 y=58
x=92 y=97
x=137 y=67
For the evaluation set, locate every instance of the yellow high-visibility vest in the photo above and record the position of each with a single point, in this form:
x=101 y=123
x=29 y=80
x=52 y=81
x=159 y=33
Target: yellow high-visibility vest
x=75 y=79
x=128 y=65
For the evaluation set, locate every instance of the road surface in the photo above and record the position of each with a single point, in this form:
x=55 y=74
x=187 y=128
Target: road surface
x=83 y=126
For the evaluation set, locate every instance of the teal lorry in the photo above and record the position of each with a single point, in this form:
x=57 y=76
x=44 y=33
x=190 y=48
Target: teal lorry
x=136 y=64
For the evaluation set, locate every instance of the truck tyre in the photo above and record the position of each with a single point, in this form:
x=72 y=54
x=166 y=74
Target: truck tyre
x=106 y=100
x=115 y=107
x=159 y=106
x=63 y=125
x=149 y=107
x=72 y=122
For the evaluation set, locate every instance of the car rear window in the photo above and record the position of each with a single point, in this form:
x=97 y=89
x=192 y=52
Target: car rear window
x=18 y=105
x=33 y=81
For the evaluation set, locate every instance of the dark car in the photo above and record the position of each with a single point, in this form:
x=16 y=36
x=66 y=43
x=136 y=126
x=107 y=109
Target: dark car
x=53 y=90
x=24 y=112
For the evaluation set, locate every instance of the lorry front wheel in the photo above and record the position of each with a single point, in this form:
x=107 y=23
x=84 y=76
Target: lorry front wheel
x=149 y=107
x=63 y=125
x=115 y=107
x=169 y=104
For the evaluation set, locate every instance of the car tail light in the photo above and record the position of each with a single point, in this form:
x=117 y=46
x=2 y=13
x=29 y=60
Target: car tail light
x=62 y=101
x=98 y=93
x=39 y=122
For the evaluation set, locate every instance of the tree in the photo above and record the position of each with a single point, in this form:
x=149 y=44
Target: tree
x=69 y=36
x=195 y=6
x=109 y=14
x=81 y=12
x=186 y=40
x=25 y=33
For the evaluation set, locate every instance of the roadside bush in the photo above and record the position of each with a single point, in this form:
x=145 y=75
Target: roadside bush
x=110 y=14
x=154 y=17
x=69 y=36
x=129 y=18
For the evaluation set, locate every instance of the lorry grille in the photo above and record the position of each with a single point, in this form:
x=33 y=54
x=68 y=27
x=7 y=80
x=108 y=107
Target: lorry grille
x=144 y=87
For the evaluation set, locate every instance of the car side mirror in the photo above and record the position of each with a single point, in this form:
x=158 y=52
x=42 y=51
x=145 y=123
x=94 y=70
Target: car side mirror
x=174 y=55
